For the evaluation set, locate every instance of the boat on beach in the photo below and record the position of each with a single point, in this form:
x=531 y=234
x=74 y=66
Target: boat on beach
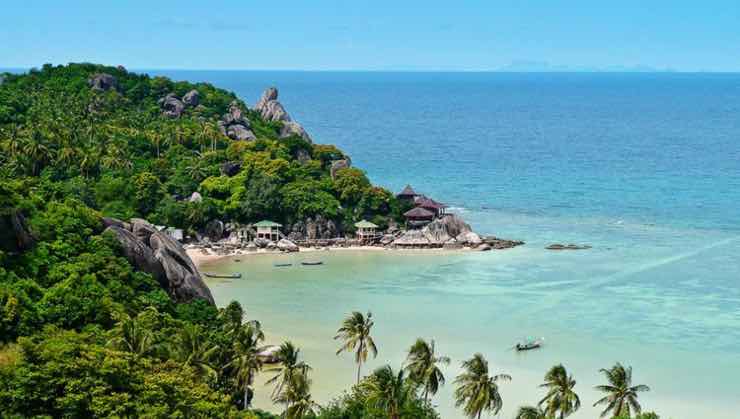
x=282 y=265
x=226 y=276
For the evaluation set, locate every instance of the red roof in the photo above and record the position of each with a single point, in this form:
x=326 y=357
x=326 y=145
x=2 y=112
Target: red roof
x=430 y=203
x=408 y=191
x=418 y=212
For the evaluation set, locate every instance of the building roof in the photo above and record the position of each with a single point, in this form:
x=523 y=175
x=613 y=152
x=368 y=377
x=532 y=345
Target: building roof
x=418 y=212
x=430 y=203
x=267 y=223
x=365 y=224
x=408 y=191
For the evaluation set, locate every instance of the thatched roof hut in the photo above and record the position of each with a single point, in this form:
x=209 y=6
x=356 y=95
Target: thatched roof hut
x=408 y=194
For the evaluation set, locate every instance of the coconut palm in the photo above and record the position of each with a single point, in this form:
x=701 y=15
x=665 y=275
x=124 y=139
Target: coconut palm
x=477 y=390
x=560 y=400
x=423 y=367
x=621 y=398
x=194 y=349
x=288 y=357
x=530 y=412
x=246 y=362
x=296 y=396
x=130 y=335
x=355 y=332
x=387 y=390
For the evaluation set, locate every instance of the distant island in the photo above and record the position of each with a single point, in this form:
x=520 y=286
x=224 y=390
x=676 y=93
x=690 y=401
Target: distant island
x=534 y=66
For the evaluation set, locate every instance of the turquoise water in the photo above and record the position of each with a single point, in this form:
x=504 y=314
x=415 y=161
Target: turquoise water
x=643 y=167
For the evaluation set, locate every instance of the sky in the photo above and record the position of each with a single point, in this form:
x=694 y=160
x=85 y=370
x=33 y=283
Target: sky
x=682 y=35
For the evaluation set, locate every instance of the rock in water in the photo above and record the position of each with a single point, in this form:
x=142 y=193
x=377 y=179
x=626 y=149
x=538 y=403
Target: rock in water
x=191 y=98
x=102 y=82
x=184 y=281
x=287 y=246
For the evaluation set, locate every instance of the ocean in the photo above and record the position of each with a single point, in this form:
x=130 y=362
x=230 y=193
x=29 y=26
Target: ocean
x=645 y=168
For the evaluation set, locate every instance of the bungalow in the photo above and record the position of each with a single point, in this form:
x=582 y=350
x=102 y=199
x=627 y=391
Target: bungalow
x=268 y=230
x=366 y=230
x=407 y=194
x=431 y=205
x=418 y=217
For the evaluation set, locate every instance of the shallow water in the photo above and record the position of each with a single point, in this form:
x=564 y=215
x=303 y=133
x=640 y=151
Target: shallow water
x=643 y=167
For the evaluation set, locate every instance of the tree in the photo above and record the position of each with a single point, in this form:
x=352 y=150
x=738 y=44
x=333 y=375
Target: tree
x=560 y=398
x=193 y=348
x=290 y=364
x=477 y=391
x=130 y=335
x=387 y=390
x=423 y=367
x=355 y=332
x=621 y=396
x=246 y=363
x=296 y=396
x=530 y=412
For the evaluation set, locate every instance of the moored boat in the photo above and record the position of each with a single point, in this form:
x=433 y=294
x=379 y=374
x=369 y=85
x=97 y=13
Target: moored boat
x=227 y=276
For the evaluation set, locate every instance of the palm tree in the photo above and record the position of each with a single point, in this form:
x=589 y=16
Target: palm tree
x=288 y=357
x=560 y=397
x=37 y=152
x=477 y=390
x=193 y=349
x=130 y=335
x=355 y=332
x=387 y=390
x=246 y=363
x=423 y=367
x=296 y=396
x=621 y=396
x=530 y=412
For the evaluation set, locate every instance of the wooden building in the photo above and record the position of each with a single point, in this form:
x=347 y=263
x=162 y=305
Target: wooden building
x=366 y=230
x=432 y=206
x=407 y=194
x=268 y=230
x=418 y=217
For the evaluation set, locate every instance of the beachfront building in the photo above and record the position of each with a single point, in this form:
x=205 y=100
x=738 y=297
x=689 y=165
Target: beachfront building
x=269 y=230
x=418 y=217
x=366 y=230
x=432 y=206
x=407 y=194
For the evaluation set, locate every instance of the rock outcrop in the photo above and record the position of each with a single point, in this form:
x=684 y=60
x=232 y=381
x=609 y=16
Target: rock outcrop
x=337 y=165
x=272 y=110
x=558 y=246
x=442 y=229
x=102 y=82
x=287 y=246
x=215 y=230
x=191 y=98
x=154 y=252
x=23 y=236
x=235 y=126
x=172 y=106
x=231 y=168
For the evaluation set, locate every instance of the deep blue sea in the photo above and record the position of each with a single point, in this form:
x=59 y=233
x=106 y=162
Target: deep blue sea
x=643 y=167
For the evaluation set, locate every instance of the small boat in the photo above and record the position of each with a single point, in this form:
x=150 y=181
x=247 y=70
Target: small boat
x=226 y=276
x=312 y=263
x=529 y=343
x=282 y=265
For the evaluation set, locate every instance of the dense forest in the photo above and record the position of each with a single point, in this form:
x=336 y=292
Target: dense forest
x=83 y=334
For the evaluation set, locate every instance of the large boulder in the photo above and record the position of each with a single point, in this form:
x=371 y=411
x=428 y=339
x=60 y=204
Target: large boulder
x=291 y=128
x=24 y=238
x=338 y=165
x=412 y=238
x=184 y=281
x=195 y=197
x=287 y=246
x=270 y=94
x=109 y=221
x=442 y=229
x=142 y=229
x=172 y=106
x=269 y=107
x=469 y=238
x=231 y=168
x=139 y=254
x=215 y=230
x=102 y=82
x=240 y=133
x=191 y=98
x=261 y=243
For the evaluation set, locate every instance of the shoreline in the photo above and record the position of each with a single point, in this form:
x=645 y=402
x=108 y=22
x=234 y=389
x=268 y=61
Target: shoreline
x=203 y=256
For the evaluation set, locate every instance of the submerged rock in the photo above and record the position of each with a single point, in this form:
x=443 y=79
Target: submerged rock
x=558 y=246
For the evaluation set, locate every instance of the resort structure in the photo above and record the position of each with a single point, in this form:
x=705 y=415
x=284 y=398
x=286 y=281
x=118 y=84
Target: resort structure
x=418 y=217
x=366 y=230
x=407 y=194
x=269 y=230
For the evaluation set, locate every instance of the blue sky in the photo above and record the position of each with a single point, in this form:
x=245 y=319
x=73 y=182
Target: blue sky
x=373 y=35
